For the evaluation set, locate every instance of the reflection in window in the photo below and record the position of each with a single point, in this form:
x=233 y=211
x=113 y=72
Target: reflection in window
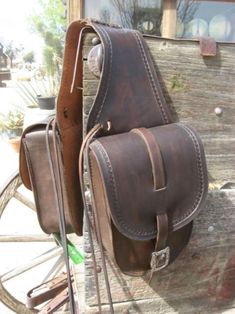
x=206 y=18
x=143 y=15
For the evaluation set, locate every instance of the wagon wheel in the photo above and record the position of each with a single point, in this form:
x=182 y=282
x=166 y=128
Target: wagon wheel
x=20 y=241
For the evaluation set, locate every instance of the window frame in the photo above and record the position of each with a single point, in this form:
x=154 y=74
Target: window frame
x=75 y=10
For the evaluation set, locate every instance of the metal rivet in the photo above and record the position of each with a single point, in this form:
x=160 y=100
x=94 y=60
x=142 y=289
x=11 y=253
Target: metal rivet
x=109 y=125
x=95 y=41
x=65 y=112
x=218 y=111
x=95 y=60
x=211 y=229
x=98 y=269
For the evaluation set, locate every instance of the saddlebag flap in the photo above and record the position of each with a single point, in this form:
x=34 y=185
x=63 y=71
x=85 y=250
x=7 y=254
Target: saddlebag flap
x=148 y=185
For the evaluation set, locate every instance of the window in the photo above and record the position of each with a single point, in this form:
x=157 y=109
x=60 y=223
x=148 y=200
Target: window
x=143 y=15
x=206 y=18
x=169 y=18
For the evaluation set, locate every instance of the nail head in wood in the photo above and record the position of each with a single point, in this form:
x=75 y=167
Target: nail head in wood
x=218 y=111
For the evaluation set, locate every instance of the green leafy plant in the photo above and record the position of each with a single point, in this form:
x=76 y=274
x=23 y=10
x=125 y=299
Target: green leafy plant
x=12 y=123
x=50 y=24
x=29 y=57
x=28 y=93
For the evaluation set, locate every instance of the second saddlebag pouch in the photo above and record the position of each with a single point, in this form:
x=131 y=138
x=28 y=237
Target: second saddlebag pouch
x=148 y=185
x=41 y=154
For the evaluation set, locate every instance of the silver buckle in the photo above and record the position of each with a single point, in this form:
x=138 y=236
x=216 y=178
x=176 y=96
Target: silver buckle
x=160 y=259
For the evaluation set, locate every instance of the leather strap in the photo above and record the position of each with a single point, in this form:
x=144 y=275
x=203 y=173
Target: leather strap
x=155 y=156
x=55 y=168
x=161 y=255
x=162 y=231
x=56 y=303
x=54 y=287
x=83 y=160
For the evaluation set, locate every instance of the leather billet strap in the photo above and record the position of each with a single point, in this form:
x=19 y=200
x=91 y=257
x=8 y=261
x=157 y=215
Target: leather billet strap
x=162 y=231
x=83 y=160
x=161 y=255
x=51 y=289
x=56 y=168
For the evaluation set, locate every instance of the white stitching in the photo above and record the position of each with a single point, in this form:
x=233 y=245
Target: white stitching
x=106 y=159
x=103 y=95
x=179 y=220
x=151 y=79
x=197 y=201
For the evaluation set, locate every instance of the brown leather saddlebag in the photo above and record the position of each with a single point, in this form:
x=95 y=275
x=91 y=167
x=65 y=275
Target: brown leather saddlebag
x=34 y=144
x=35 y=171
x=148 y=185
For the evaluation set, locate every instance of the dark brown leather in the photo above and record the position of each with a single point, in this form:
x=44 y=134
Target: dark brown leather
x=40 y=176
x=162 y=231
x=148 y=174
x=23 y=167
x=69 y=118
x=129 y=93
x=123 y=174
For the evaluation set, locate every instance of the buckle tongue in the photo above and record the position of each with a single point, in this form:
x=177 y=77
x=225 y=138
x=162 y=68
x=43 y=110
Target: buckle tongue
x=160 y=259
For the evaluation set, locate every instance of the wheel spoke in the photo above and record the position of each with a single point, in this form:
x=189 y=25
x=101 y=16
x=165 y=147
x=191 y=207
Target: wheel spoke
x=59 y=264
x=13 y=303
x=34 y=262
x=26 y=238
x=8 y=190
x=24 y=200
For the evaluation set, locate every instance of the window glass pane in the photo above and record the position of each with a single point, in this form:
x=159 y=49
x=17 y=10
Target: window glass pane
x=144 y=15
x=206 y=18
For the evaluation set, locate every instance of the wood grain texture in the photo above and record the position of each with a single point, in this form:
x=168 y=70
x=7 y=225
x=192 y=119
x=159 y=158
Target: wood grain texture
x=74 y=10
x=202 y=279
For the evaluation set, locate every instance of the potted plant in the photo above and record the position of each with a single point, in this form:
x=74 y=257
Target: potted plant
x=11 y=125
x=39 y=93
x=47 y=92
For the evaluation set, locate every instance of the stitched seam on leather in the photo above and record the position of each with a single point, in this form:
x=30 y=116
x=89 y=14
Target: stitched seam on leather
x=103 y=95
x=200 y=174
x=106 y=159
x=151 y=79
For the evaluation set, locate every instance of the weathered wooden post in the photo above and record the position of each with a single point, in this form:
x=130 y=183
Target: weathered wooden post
x=201 y=92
